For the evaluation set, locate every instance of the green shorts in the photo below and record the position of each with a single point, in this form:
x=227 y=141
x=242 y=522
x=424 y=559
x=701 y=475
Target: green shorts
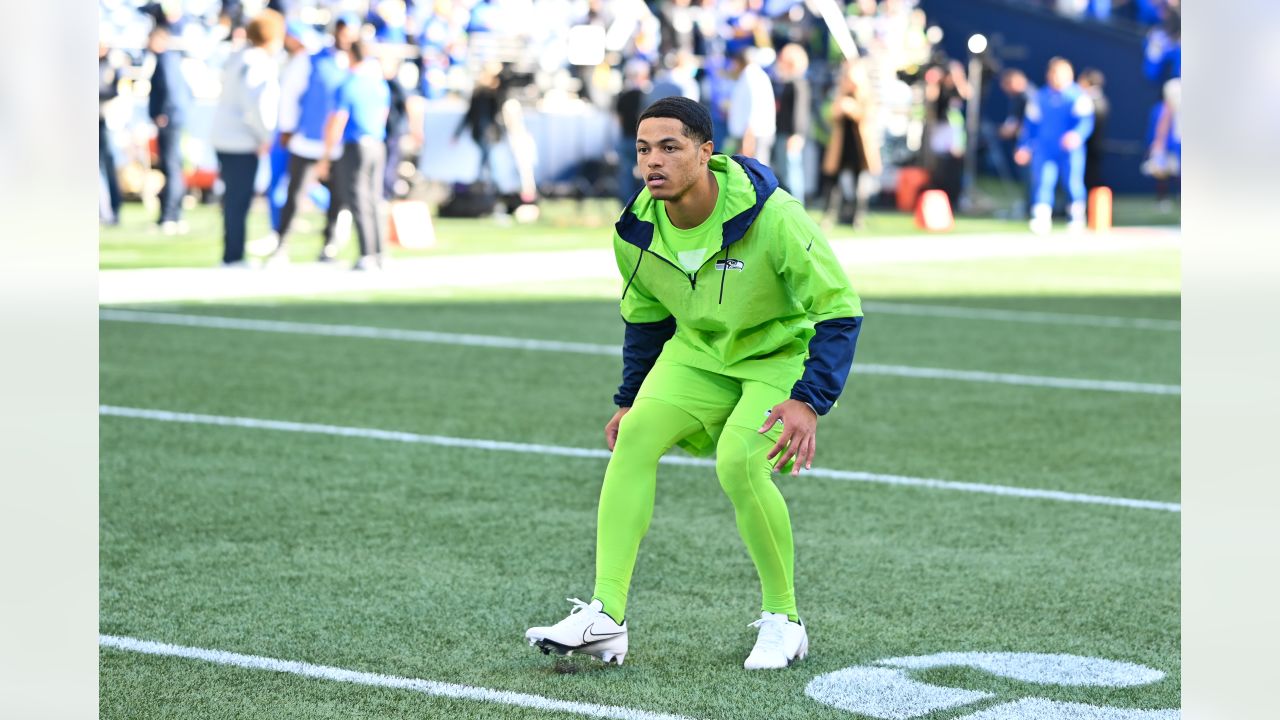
x=715 y=400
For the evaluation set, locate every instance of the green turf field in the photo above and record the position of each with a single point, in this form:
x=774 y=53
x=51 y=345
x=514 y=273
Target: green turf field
x=400 y=557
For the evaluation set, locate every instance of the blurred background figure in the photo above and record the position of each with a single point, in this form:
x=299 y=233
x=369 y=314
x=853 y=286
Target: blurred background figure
x=852 y=149
x=1014 y=84
x=482 y=118
x=794 y=101
x=108 y=90
x=359 y=122
x=678 y=78
x=1059 y=121
x=299 y=39
x=752 y=121
x=397 y=122
x=169 y=103
x=946 y=90
x=632 y=101
x=304 y=112
x=1092 y=82
x=1164 y=157
x=244 y=125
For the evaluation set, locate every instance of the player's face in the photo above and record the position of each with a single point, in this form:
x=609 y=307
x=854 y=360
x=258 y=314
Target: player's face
x=669 y=162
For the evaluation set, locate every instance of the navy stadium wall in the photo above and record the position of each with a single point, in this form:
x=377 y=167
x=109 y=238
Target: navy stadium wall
x=1026 y=37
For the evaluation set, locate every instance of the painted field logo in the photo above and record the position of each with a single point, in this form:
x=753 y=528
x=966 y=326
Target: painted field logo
x=885 y=691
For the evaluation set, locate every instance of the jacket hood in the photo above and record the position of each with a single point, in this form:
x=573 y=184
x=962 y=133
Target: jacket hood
x=749 y=185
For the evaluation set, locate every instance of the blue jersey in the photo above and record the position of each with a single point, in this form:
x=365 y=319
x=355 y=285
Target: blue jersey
x=1052 y=114
x=317 y=99
x=366 y=99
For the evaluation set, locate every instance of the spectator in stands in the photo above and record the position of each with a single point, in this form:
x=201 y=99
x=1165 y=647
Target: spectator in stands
x=853 y=148
x=108 y=89
x=794 y=99
x=169 y=104
x=627 y=108
x=359 y=121
x=752 y=113
x=304 y=111
x=676 y=79
x=244 y=124
x=1092 y=82
x=1059 y=121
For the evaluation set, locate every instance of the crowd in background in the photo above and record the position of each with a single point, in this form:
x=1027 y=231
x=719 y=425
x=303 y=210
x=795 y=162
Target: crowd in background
x=1143 y=12
x=325 y=96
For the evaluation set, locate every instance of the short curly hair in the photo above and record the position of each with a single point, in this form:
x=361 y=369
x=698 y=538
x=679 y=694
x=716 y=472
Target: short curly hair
x=694 y=118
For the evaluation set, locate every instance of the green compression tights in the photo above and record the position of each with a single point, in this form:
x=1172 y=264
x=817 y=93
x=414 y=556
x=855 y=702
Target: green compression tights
x=649 y=430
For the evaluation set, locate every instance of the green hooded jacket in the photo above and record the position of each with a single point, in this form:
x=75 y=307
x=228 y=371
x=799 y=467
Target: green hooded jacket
x=771 y=304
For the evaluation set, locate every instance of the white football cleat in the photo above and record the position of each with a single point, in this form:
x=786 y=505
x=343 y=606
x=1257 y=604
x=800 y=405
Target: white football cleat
x=779 y=643
x=587 y=630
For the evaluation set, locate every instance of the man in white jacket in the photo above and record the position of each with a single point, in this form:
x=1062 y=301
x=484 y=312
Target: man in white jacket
x=244 y=124
x=752 y=112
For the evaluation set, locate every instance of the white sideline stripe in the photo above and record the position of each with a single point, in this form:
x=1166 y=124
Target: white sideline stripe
x=496 y=341
x=558 y=450
x=1123 y=386
x=426 y=687
x=1026 y=316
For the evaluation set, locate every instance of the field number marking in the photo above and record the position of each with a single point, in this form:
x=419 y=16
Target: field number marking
x=885 y=690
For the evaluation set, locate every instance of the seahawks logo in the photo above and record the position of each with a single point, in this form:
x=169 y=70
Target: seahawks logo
x=729 y=264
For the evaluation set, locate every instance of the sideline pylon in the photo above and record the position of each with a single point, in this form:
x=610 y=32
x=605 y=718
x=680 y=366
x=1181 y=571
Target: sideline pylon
x=1100 y=209
x=933 y=212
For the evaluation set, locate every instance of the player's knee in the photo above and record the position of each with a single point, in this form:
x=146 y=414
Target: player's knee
x=641 y=434
x=740 y=454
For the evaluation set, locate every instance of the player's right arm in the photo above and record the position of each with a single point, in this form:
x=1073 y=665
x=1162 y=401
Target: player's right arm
x=649 y=325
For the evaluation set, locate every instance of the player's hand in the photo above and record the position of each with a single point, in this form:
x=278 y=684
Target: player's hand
x=799 y=438
x=322 y=169
x=611 y=428
x=1022 y=156
x=162 y=121
x=1071 y=140
x=285 y=137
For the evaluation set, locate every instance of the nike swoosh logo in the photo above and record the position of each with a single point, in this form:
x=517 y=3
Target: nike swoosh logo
x=589 y=636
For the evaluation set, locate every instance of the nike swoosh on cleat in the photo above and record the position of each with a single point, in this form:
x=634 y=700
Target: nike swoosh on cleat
x=588 y=636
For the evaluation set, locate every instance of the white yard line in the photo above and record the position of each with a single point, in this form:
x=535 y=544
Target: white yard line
x=501 y=270
x=1023 y=316
x=497 y=341
x=557 y=450
x=336 y=674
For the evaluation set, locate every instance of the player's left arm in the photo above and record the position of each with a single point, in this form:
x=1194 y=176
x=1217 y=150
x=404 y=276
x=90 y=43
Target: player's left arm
x=811 y=270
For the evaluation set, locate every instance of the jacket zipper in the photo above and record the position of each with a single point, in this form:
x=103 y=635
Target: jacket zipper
x=693 y=277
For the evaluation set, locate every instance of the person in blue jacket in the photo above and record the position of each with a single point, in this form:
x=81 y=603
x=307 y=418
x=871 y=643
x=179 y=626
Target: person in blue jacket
x=1059 y=119
x=169 y=104
x=302 y=125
